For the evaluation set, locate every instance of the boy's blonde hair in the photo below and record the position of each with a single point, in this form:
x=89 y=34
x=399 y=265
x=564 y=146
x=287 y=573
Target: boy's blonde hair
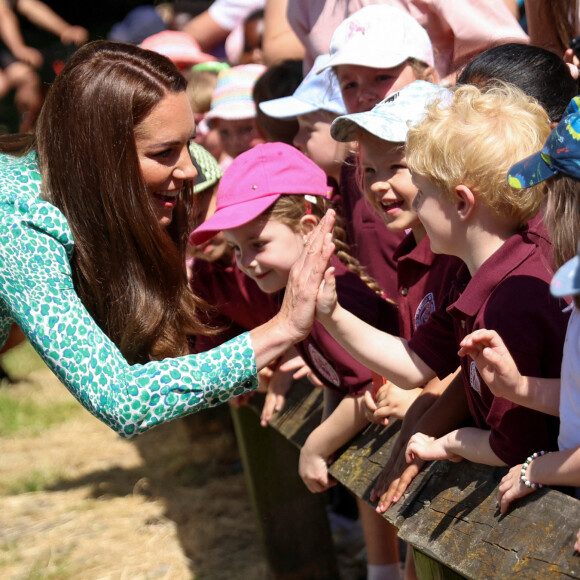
x=474 y=139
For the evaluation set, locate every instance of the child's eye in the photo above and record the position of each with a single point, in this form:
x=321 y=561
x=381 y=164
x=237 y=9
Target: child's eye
x=258 y=245
x=347 y=86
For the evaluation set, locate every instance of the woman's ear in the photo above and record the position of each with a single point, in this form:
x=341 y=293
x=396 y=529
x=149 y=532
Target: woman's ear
x=464 y=201
x=307 y=223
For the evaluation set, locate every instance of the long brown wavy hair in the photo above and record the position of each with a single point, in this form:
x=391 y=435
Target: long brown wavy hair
x=128 y=271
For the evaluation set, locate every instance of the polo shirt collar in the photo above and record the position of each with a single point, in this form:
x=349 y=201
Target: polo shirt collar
x=418 y=252
x=492 y=272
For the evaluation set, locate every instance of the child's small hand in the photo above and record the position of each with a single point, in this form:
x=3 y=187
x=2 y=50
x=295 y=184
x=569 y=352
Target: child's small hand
x=494 y=362
x=278 y=386
x=429 y=448
x=512 y=487
x=327 y=298
x=577 y=543
x=300 y=370
x=313 y=469
x=393 y=401
x=371 y=408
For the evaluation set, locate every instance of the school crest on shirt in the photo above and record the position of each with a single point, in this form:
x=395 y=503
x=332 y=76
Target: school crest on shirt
x=474 y=380
x=323 y=366
x=425 y=309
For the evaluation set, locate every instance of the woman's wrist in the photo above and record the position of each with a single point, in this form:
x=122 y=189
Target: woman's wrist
x=272 y=339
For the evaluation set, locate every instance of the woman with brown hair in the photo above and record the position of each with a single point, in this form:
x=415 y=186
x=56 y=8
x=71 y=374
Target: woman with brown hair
x=94 y=217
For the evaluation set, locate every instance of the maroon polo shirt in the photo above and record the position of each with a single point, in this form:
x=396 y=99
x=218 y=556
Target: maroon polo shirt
x=337 y=369
x=239 y=304
x=370 y=241
x=510 y=294
x=424 y=279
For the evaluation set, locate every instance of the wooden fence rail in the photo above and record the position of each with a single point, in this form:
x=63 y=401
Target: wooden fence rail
x=449 y=515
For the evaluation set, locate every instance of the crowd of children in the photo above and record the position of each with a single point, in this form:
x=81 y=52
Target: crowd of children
x=439 y=246
x=456 y=200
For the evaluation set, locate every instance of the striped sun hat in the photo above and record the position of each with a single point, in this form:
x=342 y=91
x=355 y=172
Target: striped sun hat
x=232 y=98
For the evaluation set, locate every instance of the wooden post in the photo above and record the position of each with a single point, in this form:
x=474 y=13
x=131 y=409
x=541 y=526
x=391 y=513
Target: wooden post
x=293 y=522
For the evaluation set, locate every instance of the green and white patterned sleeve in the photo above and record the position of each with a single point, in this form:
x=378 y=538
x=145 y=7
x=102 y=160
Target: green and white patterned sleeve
x=36 y=292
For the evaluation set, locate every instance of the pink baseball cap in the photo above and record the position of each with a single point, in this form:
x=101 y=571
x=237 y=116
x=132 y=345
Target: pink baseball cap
x=255 y=180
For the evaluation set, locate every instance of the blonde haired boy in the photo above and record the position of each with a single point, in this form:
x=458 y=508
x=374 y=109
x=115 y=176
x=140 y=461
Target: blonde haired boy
x=459 y=156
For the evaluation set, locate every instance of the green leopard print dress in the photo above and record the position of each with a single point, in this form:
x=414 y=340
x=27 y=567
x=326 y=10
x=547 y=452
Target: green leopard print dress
x=36 y=292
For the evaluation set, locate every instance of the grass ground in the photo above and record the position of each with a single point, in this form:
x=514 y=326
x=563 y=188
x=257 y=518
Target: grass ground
x=79 y=503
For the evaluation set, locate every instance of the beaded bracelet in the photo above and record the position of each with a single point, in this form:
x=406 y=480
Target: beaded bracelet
x=525 y=466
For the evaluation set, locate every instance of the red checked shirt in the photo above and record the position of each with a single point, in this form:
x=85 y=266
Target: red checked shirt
x=510 y=294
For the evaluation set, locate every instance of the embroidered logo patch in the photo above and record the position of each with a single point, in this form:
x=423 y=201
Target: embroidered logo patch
x=425 y=309
x=323 y=366
x=474 y=378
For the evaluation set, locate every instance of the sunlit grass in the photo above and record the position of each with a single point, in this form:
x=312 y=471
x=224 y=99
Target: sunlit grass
x=21 y=360
x=22 y=414
x=35 y=480
x=22 y=411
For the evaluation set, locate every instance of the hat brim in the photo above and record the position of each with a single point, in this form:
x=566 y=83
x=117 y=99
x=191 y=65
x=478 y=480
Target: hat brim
x=344 y=129
x=287 y=107
x=566 y=281
x=359 y=57
x=530 y=171
x=232 y=216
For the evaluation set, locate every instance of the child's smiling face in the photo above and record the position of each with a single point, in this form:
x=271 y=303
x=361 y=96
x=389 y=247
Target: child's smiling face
x=388 y=184
x=363 y=87
x=265 y=251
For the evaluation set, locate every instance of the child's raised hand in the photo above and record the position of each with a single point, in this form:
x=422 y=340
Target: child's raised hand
x=511 y=487
x=327 y=298
x=298 y=307
x=493 y=360
x=313 y=469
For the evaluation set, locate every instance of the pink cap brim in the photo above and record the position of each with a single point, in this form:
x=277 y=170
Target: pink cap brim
x=232 y=216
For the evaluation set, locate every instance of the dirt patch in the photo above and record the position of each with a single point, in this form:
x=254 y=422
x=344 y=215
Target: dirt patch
x=171 y=504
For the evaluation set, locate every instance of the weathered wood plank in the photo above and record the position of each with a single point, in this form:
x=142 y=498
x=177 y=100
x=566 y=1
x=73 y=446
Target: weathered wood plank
x=296 y=548
x=449 y=513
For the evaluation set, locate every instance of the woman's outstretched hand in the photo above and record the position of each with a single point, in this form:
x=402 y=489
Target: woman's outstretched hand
x=294 y=320
x=306 y=277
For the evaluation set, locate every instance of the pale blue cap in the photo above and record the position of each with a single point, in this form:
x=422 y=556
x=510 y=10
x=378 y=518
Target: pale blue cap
x=566 y=281
x=390 y=119
x=316 y=92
